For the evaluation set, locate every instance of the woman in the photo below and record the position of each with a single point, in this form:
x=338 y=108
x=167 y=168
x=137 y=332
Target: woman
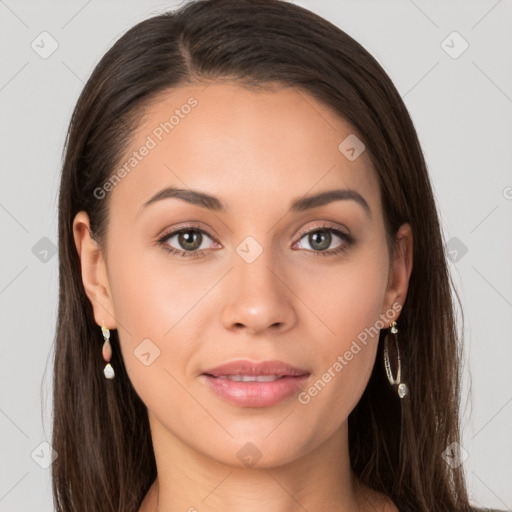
x=255 y=308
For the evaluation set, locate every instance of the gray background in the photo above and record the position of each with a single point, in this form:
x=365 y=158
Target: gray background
x=460 y=106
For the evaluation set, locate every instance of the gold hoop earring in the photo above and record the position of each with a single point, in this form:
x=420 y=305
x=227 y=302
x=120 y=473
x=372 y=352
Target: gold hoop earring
x=107 y=353
x=402 y=389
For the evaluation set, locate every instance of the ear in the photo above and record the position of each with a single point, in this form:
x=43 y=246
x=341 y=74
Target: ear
x=94 y=271
x=400 y=270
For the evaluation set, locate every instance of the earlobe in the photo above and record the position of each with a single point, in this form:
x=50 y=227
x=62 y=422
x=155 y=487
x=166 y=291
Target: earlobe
x=400 y=268
x=94 y=271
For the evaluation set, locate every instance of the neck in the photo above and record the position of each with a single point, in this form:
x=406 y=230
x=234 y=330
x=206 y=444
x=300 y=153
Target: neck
x=191 y=481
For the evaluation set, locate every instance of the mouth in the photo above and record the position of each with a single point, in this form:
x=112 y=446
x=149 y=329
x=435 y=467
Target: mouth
x=249 y=378
x=251 y=384
x=246 y=368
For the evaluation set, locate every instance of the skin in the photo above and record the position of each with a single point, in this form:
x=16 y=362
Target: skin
x=256 y=152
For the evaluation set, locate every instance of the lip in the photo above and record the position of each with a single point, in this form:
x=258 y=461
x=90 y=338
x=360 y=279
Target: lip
x=255 y=394
x=247 y=367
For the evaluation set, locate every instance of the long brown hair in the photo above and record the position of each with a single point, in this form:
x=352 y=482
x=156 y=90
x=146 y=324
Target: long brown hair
x=100 y=428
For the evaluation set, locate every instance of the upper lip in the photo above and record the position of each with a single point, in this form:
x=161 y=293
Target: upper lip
x=246 y=367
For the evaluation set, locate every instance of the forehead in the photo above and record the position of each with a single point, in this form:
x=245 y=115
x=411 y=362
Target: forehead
x=249 y=148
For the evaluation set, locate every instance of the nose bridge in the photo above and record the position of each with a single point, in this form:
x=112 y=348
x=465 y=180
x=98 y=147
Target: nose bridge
x=255 y=265
x=259 y=298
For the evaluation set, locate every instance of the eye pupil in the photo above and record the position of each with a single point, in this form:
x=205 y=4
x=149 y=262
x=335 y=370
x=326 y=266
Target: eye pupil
x=188 y=239
x=322 y=237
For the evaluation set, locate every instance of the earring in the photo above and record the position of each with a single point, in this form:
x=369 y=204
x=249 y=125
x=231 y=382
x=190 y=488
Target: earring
x=107 y=353
x=402 y=387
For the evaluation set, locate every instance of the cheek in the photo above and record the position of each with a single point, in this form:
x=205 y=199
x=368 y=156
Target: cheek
x=346 y=298
x=159 y=311
x=152 y=292
x=349 y=309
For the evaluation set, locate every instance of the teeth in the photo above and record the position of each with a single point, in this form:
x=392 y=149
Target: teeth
x=250 y=378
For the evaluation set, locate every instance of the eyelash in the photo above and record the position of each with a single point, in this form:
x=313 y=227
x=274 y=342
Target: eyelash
x=348 y=241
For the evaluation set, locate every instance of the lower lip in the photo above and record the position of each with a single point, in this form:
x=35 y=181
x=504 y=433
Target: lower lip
x=255 y=394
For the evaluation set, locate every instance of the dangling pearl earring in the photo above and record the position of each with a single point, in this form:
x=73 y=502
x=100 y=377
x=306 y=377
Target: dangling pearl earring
x=107 y=353
x=402 y=387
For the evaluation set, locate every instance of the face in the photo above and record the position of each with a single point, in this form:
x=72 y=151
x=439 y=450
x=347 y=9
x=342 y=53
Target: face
x=249 y=276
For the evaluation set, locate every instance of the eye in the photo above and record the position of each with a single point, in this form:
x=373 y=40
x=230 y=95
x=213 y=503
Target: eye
x=191 y=242
x=320 y=239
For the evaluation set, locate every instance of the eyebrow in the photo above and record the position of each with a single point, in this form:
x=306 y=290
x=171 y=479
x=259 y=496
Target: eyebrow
x=299 y=205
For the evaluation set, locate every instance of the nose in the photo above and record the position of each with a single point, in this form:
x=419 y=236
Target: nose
x=259 y=297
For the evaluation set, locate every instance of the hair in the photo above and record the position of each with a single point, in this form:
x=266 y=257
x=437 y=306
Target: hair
x=100 y=428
